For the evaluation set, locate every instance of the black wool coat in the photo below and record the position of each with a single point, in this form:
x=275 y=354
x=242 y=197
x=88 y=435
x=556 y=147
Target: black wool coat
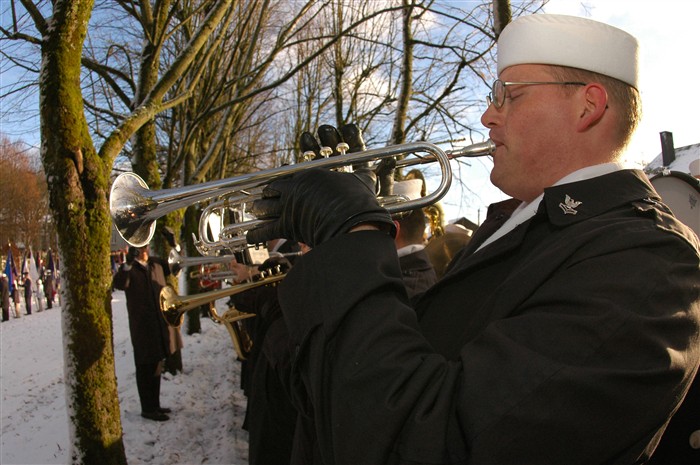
x=417 y=271
x=570 y=340
x=149 y=331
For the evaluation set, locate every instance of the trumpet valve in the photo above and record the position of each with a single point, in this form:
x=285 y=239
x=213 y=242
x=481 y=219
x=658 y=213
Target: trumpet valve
x=342 y=148
x=309 y=155
x=326 y=151
x=274 y=271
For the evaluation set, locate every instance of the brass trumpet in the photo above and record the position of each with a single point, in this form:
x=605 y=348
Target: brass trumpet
x=174 y=306
x=134 y=208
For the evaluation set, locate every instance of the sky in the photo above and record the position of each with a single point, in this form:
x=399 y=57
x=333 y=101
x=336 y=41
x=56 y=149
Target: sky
x=669 y=38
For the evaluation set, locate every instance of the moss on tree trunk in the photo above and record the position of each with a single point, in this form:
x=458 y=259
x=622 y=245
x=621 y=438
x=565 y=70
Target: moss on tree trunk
x=78 y=183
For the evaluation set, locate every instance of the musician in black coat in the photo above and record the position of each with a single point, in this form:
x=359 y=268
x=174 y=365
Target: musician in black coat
x=270 y=415
x=417 y=271
x=568 y=329
x=141 y=278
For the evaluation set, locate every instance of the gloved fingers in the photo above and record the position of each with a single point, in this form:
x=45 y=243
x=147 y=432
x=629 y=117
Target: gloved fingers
x=275 y=264
x=329 y=137
x=385 y=176
x=263 y=233
x=386 y=166
x=277 y=188
x=352 y=135
x=265 y=209
x=308 y=143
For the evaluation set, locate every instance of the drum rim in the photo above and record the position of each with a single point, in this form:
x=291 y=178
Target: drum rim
x=691 y=180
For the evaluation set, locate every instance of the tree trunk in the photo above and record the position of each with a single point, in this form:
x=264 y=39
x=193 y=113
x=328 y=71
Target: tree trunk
x=190 y=223
x=78 y=182
x=398 y=135
x=502 y=15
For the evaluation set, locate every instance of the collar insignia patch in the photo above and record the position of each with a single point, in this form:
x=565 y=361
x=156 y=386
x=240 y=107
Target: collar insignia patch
x=569 y=205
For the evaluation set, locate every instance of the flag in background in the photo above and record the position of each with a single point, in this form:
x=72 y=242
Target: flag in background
x=8 y=270
x=30 y=266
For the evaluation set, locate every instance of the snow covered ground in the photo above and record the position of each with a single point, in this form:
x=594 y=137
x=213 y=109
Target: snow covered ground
x=207 y=402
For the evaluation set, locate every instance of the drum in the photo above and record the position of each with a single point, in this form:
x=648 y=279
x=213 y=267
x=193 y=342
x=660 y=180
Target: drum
x=681 y=192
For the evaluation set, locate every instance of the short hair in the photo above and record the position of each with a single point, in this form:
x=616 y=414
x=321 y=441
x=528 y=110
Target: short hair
x=413 y=226
x=621 y=95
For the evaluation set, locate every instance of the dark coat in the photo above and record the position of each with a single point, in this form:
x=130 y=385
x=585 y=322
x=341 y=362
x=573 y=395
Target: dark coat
x=48 y=286
x=569 y=340
x=675 y=448
x=5 y=295
x=270 y=416
x=5 y=292
x=148 y=329
x=28 y=288
x=417 y=271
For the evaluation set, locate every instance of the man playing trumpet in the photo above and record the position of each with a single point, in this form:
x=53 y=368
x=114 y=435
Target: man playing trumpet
x=566 y=331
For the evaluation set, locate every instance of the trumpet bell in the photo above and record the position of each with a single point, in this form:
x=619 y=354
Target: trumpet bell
x=170 y=311
x=131 y=218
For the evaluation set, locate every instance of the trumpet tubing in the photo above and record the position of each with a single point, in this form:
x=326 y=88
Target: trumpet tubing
x=212 y=275
x=135 y=208
x=233 y=320
x=177 y=262
x=174 y=306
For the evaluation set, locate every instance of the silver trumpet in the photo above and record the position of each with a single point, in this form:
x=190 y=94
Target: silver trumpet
x=135 y=208
x=177 y=262
x=212 y=273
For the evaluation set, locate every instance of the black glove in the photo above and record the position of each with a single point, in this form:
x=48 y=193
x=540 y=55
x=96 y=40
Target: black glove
x=315 y=205
x=131 y=255
x=385 y=176
x=275 y=265
x=330 y=137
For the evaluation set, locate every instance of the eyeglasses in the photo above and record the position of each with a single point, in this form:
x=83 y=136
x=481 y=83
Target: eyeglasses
x=497 y=96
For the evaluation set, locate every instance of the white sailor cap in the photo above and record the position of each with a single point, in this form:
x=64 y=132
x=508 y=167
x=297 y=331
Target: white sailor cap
x=570 y=41
x=408 y=187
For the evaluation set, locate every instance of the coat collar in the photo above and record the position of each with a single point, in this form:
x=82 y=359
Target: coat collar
x=587 y=199
x=577 y=201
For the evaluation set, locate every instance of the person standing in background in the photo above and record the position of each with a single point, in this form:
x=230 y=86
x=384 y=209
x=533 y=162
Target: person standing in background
x=27 y=284
x=141 y=278
x=48 y=288
x=5 y=296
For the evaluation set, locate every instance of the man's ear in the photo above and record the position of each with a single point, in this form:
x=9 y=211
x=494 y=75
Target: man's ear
x=595 y=103
x=398 y=228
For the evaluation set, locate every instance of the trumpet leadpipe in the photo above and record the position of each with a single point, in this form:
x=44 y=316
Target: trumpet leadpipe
x=480 y=149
